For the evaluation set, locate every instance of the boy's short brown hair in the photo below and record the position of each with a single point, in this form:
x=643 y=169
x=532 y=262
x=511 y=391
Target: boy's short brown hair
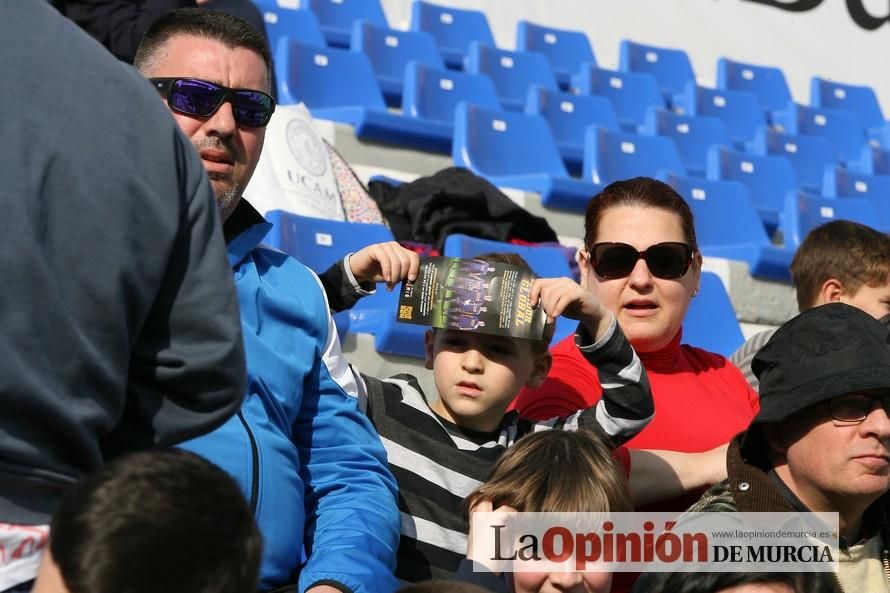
x=556 y=471
x=852 y=253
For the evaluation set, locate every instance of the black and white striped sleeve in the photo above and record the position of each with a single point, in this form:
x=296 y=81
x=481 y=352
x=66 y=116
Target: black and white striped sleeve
x=626 y=406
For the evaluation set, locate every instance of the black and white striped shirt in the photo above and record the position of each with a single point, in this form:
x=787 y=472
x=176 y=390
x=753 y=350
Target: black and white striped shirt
x=438 y=463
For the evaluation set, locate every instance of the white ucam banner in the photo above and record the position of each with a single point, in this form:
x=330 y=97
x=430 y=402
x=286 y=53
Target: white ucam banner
x=844 y=40
x=294 y=173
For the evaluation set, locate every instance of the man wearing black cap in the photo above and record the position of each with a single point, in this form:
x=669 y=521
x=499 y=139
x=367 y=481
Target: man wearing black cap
x=821 y=441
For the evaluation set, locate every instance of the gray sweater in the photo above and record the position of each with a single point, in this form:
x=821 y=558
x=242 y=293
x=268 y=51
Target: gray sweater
x=119 y=325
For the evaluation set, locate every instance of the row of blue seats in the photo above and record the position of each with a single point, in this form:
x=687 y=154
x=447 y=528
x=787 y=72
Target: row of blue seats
x=711 y=322
x=316 y=76
x=549 y=56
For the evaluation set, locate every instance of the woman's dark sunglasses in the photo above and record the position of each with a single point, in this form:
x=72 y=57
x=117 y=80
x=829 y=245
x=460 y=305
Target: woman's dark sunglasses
x=664 y=260
x=192 y=96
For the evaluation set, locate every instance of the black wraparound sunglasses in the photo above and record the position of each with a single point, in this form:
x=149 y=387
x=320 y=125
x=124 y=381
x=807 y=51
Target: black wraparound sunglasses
x=201 y=98
x=617 y=260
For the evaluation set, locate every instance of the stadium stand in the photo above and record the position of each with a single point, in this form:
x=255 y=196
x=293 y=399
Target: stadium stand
x=569 y=116
x=454 y=29
x=566 y=50
x=810 y=155
x=739 y=110
x=337 y=16
x=839 y=126
x=516 y=150
x=859 y=99
x=512 y=72
x=767 y=82
x=693 y=136
x=670 y=67
x=631 y=93
x=389 y=52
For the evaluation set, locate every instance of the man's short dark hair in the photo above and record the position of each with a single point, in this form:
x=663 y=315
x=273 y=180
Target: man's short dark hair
x=166 y=521
x=713 y=582
x=852 y=253
x=229 y=30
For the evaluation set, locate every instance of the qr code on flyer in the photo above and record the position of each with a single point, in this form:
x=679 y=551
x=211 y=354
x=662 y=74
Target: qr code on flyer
x=406 y=312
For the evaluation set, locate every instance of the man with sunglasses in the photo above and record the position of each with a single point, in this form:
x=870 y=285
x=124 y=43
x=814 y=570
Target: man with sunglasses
x=312 y=467
x=821 y=441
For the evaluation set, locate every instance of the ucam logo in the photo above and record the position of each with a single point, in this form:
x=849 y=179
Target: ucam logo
x=856 y=8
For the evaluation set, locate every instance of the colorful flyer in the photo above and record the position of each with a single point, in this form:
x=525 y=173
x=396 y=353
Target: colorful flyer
x=473 y=295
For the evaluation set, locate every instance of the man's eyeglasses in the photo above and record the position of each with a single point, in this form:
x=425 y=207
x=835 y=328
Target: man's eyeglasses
x=854 y=408
x=192 y=96
x=617 y=260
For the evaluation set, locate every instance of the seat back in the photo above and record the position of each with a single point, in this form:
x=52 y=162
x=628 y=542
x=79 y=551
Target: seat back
x=325 y=77
x=337 y=16
x=740 y=111
x=767 y=82
x=723 y=212
x=296 y=24
x=390 y=50
x=454 y=29
x=839 y=126
x=569 y=115
x=511 y=72
x=497 y=143
x=671 y=67
x=804 y=212
x=711 y=322
x=631 y=93
x=843 y=183
x=610 y=156
x=565 y=50
x=809 y=155
x=861 y=100
x=768 y=178
x=692 y=135
x=433 y=93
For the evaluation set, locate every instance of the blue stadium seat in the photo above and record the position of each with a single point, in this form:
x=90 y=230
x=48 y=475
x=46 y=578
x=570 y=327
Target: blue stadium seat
x=337 y=16
x=804 y=212
x=511 y=72
x=809 y=155
x=693 y=135
x=711 y=322
x=727 y=225
x=872 y=161
x=389 y=52
x=516 y=150
x=739 y=110
x=316 y=76
x=768 y=179
x=569 y=115
x=566 y=50
x=610 y=156
x=454 y=29
x=767 y=82
x=839 y=126
x=671 y=67
x=430 y=96
x=297 y=24
x=843 y=183
x=631 y=93
x=861 y=100
x=318 y=243
x=547 y=261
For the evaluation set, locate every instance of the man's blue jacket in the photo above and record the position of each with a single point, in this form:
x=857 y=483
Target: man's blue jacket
x=305 y=455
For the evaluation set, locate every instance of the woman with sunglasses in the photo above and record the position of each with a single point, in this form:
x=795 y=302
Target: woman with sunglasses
x=642 y=262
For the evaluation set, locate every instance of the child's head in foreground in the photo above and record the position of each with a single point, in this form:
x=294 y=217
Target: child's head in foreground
x=165 y=520
x=478 y=375
x=556 y=471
